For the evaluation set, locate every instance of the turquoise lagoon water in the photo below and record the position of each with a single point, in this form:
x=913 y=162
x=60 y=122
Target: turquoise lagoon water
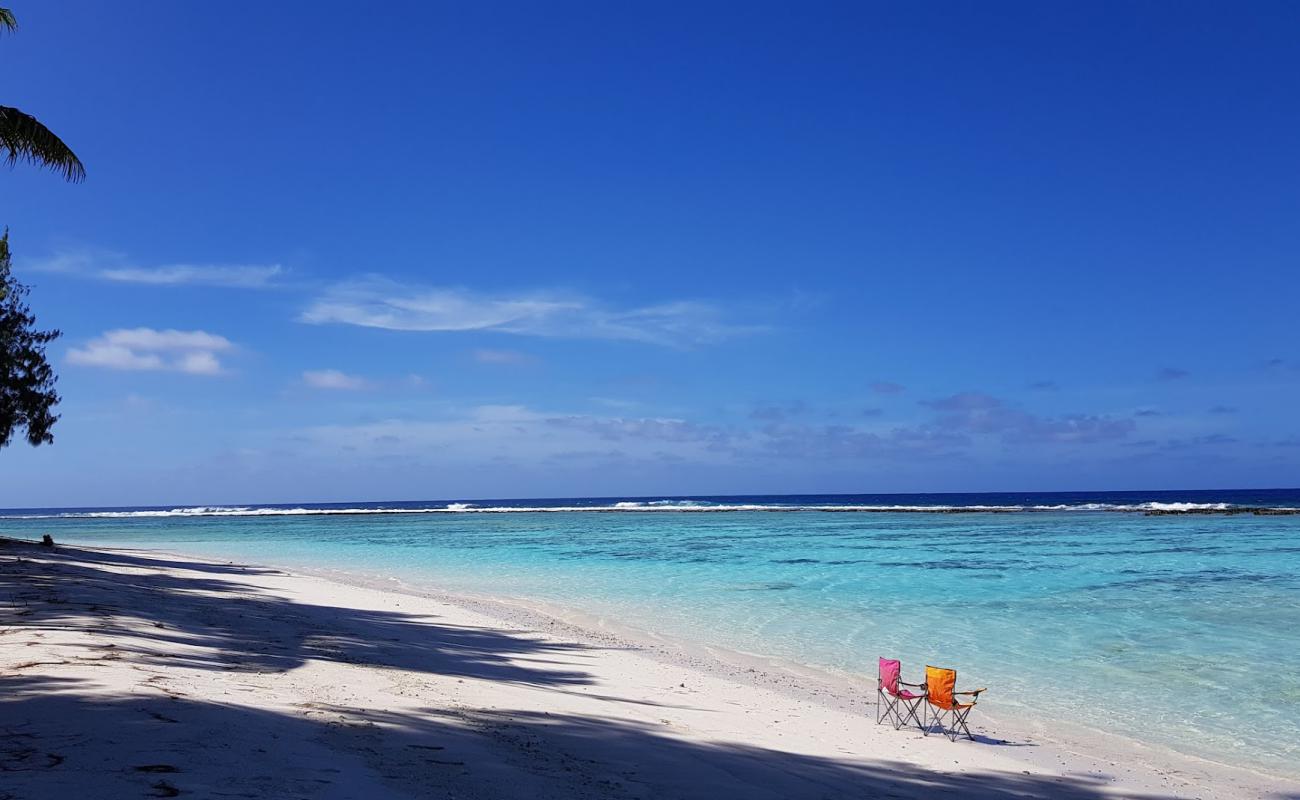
x=1182 y=630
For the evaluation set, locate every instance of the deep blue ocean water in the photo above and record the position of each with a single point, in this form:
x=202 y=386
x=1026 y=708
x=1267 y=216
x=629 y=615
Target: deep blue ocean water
x=1182 y=629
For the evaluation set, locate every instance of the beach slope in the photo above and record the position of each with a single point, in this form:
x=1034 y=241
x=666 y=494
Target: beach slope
x=137 y=674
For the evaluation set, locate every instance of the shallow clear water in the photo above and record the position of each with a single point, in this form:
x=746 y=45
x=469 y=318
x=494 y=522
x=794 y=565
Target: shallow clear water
x=1181 y=630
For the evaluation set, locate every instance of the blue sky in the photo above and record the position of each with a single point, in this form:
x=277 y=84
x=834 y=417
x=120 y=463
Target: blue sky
x=515 y=249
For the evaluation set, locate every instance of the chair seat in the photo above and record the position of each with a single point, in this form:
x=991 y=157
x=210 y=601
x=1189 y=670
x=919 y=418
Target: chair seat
x=906 y=695
x=952 y=706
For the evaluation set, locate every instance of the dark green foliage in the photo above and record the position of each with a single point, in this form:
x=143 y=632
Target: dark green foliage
x=27 y=396
x=24 y=138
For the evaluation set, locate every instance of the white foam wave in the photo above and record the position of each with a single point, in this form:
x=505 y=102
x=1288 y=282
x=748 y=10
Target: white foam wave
x=685 y=505
x=1183 y=506
x=628 y=506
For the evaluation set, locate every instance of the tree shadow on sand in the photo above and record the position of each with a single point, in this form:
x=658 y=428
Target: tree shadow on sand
x=154 y=746
x=193 y=619
x=106 y=556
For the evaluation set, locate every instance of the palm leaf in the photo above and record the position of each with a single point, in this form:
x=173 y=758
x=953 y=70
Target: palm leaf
x=27 y=139
x=7 y=21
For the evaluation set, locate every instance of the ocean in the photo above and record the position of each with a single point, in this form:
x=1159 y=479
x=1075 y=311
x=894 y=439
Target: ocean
x=1170 y=617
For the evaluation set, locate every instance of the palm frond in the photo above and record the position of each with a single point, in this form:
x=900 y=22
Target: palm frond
x=7 y=21
x=26 y=139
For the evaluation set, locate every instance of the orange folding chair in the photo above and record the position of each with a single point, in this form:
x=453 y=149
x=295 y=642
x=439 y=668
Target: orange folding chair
x=944 y=706
x=895 y=704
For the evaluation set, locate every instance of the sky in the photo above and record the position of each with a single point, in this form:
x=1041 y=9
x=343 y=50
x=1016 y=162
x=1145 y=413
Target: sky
x=327 y=252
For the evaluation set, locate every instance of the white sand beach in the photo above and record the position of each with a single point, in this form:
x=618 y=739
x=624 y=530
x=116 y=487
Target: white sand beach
x=141 y=674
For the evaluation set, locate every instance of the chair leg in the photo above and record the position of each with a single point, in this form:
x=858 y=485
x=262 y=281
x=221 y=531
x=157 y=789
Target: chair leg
x=960 y=720
x=938 y=717
x=944 y=718
x=884 y=707
x=912 y=715
x=887 y=710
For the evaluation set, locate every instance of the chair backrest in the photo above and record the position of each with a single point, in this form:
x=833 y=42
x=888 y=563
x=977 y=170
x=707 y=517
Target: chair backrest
x=939 y=686
x=889 y=671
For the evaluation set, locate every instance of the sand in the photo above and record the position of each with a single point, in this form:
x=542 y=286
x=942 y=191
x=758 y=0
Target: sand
x=129 y=673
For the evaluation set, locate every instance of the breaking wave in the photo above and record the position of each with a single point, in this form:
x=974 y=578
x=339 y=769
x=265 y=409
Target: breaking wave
x=647 y=506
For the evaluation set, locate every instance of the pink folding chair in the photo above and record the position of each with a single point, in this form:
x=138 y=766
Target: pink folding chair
x=894 y=703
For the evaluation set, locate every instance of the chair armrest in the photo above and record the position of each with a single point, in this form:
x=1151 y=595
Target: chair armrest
x=905 y=683
x=974 y=693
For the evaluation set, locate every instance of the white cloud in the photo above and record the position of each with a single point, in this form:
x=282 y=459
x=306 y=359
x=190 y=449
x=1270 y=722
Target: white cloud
x=109 y=266
x=332 y=379
x=193 y=352
x=199 y=363
x=518 y=433
x=66 y=262
x=490 y=356
x=239 y=276
x=494 y=437
x=377 y=302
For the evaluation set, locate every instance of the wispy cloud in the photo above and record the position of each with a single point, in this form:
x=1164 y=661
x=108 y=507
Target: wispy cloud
x=193 y=352
x=109 y=266
x=888 y=387
x=1172 y=374
x=975 y=413
x=647 y=429
x=485 y=355
x=964 y=402
x=779 y=413
x=377 y=302
x=1223 y=410
x=1281 y=366
x=1211 y=440
x=333 y=379
x=242 y=276
x=962 y=427
x=818 y=443
x=514 y=433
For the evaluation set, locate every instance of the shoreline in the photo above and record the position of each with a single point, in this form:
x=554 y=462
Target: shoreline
x=710 y=716
x=804 y=682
